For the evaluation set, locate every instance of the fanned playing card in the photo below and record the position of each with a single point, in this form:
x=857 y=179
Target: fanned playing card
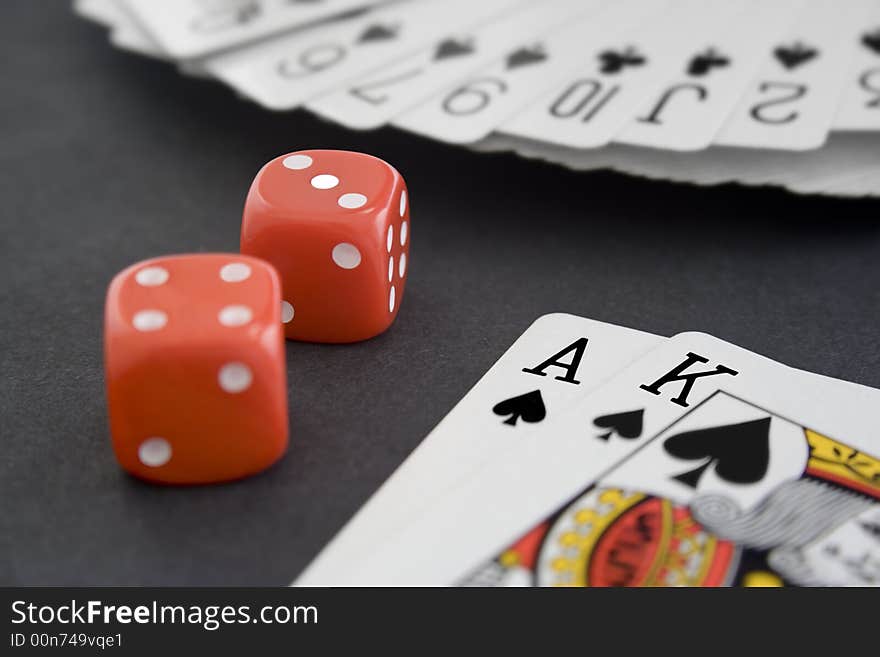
x=478 y=104
x=630 y=85
x=690 y=108
x=846 y=166
x=791 y=103
x=373 y=99
x=859 y=106
x=194 y=28
x=626 y=67
x=288 y=70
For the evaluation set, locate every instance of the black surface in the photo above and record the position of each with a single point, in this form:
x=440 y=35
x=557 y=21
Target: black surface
x=108 y=158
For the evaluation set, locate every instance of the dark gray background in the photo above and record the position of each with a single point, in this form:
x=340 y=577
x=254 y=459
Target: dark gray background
x=108 y=158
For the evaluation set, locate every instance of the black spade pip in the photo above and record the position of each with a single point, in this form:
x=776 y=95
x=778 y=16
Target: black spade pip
x=528 y=407
x=740 y=452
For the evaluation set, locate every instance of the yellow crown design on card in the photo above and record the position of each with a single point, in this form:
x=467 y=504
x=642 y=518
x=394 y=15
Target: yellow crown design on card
x=632 y=539
x=836 y=462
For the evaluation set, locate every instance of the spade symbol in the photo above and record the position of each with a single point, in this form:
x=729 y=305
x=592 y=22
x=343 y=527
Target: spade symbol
x=794 y=55
x=740 y=452
x=525 y=57
x=378 y=32
x=627 y=425
x=529 y=407
x=613 y=61
x=453 y=48
x=704 y=62
x=871 y=40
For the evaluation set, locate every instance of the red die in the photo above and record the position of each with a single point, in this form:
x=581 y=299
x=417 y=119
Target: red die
x=336 y=226
x=196 y=376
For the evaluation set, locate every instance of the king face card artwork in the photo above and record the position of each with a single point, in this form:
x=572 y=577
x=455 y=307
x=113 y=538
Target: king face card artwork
x=731 y=448
x=729 y=494
x=558 y=358
x=791 y=103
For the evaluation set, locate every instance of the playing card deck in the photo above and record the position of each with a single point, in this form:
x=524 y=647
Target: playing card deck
x=720 y=88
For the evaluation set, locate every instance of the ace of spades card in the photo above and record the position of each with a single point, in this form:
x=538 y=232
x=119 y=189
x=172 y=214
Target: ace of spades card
x=714 y=422
x=558 y=357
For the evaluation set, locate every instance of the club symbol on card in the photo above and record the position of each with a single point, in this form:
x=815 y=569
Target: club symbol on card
x=224 y=18
x=740 y=452
x=449 y=48
x=871 y=41
x=794 y=55
x=627 y=425
x=703 y=63
x=528 y=407
x=526 y=56
x=378 y=32
x=613 y=61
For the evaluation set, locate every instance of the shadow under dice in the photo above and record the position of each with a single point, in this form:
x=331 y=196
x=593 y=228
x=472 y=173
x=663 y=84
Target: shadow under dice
x=335 y=224
x=195 y=369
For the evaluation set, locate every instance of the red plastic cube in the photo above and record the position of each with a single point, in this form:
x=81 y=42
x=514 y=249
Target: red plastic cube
x=336 y=226
x=195 y=368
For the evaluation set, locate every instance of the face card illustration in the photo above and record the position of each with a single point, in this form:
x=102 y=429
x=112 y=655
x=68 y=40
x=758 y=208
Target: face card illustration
x=593 y=103
x=475 y=106
x=690 y=109
x=373 y=99
x=605 y=437
x=730 y=494
x=558 y=358
x=860 y=103
x=791 y=103
x=194 y=28
x=286 y=71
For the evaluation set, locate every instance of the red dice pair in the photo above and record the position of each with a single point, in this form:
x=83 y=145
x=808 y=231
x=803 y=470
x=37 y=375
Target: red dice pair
x=194 y=353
